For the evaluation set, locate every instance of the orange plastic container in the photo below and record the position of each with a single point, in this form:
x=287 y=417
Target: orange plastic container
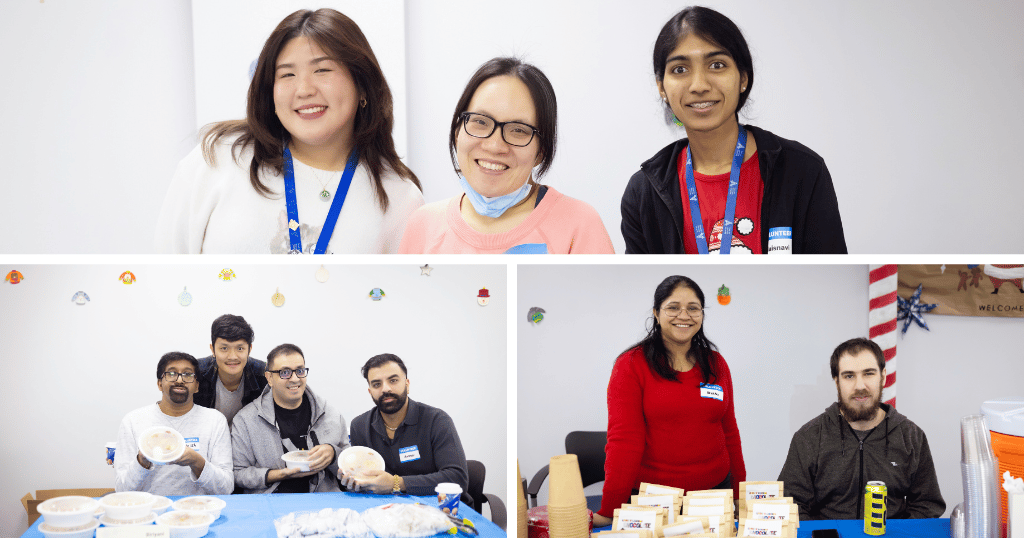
x=1005 y=420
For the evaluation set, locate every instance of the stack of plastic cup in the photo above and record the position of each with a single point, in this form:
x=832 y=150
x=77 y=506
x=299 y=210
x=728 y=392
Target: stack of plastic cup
x=568 y=516
x=521 y=508
x=981 y=482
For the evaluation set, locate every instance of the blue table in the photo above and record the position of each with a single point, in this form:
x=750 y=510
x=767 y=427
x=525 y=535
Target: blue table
x=248 y=516
x=894 y=528
x=854 y=528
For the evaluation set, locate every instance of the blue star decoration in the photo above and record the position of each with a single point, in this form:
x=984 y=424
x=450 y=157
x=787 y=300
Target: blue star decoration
x=911 y=310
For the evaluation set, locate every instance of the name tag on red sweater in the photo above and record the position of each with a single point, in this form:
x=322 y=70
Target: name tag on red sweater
x=711 y=391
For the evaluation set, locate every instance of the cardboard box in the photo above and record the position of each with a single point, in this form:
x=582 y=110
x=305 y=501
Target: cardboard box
x=30 y=504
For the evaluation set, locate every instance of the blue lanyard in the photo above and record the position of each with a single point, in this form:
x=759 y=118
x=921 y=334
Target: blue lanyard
x=730 y=203
x=294 y=236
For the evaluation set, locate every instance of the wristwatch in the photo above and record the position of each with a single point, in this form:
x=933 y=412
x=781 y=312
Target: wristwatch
x=397 y=487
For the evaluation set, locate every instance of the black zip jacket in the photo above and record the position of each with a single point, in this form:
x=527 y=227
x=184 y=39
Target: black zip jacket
x=798 y=194
x=828 y=467
x=252 y=376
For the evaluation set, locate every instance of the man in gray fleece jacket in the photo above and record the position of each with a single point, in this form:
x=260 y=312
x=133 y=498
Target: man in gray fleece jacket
x=859 y=439
x=287 y=416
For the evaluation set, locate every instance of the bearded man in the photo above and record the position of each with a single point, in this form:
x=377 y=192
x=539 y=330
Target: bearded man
x=419 y=443
x=857 y=440
x=204 y=467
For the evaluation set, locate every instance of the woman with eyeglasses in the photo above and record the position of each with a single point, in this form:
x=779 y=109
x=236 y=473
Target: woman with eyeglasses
x=314 y=155
x=671 y=419
x=726 y=188
x=502 y=140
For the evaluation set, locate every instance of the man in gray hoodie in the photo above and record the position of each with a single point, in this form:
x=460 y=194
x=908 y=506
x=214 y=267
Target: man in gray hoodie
x=859 y=439
x=287 y=416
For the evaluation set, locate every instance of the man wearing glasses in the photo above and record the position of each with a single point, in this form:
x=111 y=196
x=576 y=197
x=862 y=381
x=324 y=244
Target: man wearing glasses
x=205 y=467
x=287 y=416
x=419 y=443
x=230 y=379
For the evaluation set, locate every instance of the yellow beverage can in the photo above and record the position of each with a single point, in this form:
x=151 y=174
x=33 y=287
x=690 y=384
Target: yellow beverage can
x=874 y=508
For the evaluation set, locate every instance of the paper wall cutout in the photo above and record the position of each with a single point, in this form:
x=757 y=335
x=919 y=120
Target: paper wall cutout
x=426 y=269
x=535 y=315
x=483 y=297
x=185 y=298
x=80 y=298
x=376 y=294
x=127 y=277
x=14 y=277
x=226 y=275
x=322 y=274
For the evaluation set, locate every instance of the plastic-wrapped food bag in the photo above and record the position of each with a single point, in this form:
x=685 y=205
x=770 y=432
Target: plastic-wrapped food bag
x=326 y=523
x=406 y=520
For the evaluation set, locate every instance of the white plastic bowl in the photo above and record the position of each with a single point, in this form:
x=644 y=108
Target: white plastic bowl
x=70 y=511
x=297 y=458
x=82 y=531
x=160 y=504
x=148 y=519
x=356 y=460
x=127 y=505
x=201 y=503
x=161 y=445
x=187 y=523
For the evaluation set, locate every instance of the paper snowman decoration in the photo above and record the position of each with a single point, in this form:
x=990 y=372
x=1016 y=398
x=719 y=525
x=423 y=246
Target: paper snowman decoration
x=483 y=297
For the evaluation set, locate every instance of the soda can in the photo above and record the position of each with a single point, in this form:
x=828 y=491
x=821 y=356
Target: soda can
x=874 y=508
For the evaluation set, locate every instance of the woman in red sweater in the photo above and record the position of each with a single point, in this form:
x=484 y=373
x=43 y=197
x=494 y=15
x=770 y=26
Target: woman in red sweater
x=670 y=406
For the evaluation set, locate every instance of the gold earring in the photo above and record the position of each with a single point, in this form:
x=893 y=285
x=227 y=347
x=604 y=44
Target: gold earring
x=362 y=102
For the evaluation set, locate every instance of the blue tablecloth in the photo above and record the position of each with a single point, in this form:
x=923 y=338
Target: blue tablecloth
x=248 y=516
x=854 y=528
x=894 y=528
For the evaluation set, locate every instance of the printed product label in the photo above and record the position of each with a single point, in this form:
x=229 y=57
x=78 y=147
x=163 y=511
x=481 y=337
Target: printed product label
x=654 y=490
x=762 y=491
x=762 y=528
x=661 y=501
x=711 y=391
x=409 y=453
x=630 y=519
x=780 y=241
x=771 y=511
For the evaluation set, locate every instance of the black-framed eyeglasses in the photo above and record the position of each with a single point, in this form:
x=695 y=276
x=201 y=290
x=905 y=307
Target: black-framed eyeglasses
x=174 y=376
x=515 y=133
x=286 y=373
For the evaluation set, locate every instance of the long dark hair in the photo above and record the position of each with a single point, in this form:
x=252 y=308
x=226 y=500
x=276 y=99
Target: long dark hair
x=341 y=38
x=711 y=26
x=653 y=345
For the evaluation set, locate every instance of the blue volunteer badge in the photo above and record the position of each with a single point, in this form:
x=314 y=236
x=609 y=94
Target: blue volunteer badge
x=780 y=241
x=708 y=390
x=409 y=453
x=529 y=248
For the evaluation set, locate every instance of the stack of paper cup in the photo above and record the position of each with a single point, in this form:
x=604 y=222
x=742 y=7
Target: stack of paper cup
x=521 y=508
x=567 y=505
x=981 y=485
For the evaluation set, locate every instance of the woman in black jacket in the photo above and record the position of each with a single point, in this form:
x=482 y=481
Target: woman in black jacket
x=727 y=188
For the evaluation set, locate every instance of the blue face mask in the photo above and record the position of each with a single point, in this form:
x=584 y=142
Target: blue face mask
x=494 y=207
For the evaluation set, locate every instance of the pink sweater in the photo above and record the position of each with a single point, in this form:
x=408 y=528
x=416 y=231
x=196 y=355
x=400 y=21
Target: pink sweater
x=558 y=225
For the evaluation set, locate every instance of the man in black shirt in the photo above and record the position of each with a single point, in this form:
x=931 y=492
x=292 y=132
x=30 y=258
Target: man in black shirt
x=419 y=443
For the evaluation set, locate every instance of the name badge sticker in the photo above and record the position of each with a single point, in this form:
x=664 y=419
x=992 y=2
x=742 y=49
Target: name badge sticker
x=192 y=442
x=409 y=453
x=780 y=241
x=711 y=391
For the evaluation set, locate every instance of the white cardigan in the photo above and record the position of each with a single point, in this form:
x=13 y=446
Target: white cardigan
x=215 y=210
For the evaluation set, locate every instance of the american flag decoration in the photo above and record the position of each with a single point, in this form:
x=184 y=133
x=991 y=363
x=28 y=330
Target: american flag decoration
x=882 y=321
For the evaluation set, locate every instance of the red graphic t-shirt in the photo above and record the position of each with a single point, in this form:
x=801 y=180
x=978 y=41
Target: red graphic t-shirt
x=712 y=192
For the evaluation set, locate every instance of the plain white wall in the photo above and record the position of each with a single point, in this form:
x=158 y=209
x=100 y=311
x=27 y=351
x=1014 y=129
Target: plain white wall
x=99 y=109
x=914 y=105
x=777 y=335
x=74 y=371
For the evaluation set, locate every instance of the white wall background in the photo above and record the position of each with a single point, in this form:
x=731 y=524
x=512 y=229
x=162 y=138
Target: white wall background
x=74 y=371
x=777 y=335
x=913 y=105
